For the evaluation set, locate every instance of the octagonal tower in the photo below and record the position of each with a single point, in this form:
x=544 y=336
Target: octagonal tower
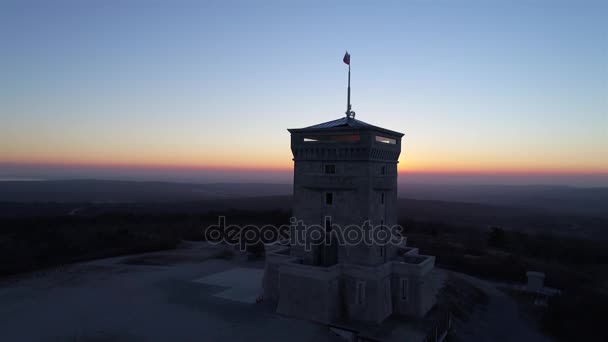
x=345 y=173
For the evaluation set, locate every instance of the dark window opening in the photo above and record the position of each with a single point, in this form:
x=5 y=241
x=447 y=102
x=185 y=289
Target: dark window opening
x=328 y=223
x=382 y=198
x=383 y=170
x=404 y=289
x=329 y=198
x=382 y=248
x=330 y=169
x=360 y=292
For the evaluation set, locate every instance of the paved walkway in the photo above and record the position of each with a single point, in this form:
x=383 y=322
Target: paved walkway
x=151 y=297
x=499 y=320
x=244 y=284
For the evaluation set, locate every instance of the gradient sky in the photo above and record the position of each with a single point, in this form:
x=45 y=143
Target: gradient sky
x=479 y=87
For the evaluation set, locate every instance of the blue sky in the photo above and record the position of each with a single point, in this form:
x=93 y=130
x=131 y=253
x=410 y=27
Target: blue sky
x=477 y=86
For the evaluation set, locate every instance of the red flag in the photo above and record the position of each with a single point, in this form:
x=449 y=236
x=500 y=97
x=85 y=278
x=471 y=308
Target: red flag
x=346 y=58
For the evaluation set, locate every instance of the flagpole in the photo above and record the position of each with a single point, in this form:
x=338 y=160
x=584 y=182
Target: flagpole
x=348 y=96
x=349 y=113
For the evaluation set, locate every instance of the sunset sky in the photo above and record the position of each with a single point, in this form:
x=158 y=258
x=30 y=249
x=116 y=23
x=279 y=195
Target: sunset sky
x=499 y=91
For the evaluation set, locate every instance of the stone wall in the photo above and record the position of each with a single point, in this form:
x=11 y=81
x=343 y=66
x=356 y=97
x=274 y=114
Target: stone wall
x=309 y=292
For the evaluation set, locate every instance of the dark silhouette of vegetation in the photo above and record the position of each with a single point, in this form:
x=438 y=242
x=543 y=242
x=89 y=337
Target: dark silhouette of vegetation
x=577 y=316
x=577 y=267
x=37 y=242
x=497 y=237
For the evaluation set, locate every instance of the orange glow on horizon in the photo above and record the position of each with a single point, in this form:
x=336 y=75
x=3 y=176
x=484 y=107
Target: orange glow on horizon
x=288 y=167
x=273 y=154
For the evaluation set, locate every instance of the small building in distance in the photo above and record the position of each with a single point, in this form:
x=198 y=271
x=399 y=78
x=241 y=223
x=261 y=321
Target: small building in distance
x=345 y=173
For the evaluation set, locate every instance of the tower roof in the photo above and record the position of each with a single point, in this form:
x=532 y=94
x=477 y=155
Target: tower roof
x=343 y=123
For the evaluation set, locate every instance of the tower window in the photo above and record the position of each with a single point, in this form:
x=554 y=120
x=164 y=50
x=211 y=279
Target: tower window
x=404 y=288
x=329 y=198
x=387 y=294
x=327 y=223
x=382 y=198
x=333 y=138
x=382 y=247
x=330 y=169
x=360 y=292
x=385 y=140
x=383 y=170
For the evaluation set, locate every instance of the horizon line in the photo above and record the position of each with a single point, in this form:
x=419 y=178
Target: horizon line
x=194 y=167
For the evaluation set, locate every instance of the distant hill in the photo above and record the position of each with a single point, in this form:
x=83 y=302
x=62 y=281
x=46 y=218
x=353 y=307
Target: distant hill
x=106 y=191
x=558 y=199
x=564 y=210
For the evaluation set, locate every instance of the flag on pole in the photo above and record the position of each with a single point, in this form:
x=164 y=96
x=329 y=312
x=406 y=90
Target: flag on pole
x=346 y=58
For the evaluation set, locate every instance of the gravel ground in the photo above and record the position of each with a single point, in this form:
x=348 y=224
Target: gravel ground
x=150 y=297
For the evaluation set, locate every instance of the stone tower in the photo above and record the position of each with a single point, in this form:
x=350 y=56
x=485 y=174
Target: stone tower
x=345 y=174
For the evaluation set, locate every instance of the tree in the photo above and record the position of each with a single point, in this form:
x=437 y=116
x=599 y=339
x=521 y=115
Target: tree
x=497 y=237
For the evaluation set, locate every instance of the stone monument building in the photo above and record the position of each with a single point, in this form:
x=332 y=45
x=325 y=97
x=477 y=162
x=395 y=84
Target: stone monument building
x=345 y=173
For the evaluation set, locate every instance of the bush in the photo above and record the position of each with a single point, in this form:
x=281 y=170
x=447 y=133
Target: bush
x=577 y=316
x=497 y=237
